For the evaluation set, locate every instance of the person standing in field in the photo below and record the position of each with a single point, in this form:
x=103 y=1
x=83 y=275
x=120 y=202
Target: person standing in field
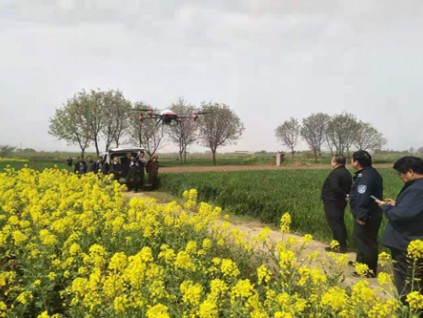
x=116 y=168
x=152 y=168
x=405 y=224
x=142 y=162
x=70 y=161
x=334 y=196
x=80 y=166
x=367 y=214
x=134 y=174
x=91 y=165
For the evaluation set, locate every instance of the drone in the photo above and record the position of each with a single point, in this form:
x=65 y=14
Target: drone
x=166 y=117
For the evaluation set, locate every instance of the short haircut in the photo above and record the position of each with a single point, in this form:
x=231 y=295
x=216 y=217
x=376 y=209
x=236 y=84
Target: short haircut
x=363 y=158
x=339 y=159
x=407 y=163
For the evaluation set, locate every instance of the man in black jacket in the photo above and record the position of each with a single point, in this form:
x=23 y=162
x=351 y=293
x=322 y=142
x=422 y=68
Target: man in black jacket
x=367 y=214
x=334 y=195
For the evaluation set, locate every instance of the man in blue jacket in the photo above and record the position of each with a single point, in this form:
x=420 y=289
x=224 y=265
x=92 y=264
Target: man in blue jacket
x=405 y=224
x=367 y=214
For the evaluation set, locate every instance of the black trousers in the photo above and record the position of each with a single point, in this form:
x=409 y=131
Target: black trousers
x=404 y=271
x=335 y=211
x=366 y=241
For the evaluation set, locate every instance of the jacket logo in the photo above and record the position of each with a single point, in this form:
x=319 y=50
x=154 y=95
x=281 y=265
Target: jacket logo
x=361 y=188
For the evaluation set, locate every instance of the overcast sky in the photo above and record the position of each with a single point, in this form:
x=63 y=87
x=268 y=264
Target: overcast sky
x=269 y=60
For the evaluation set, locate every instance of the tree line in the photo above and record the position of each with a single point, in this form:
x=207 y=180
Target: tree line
x=339 y=133
x=95 y=116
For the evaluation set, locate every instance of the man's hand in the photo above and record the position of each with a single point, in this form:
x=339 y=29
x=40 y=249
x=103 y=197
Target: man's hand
x=386 y=201
x=390 y=201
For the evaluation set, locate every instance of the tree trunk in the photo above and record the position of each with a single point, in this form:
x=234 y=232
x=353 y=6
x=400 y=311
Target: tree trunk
x=180 y=157
x=96 y=147
x=315 y=155
x=214 y=157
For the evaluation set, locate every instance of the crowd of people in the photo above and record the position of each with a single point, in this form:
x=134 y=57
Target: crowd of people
x=129 y=170
x=364 y=193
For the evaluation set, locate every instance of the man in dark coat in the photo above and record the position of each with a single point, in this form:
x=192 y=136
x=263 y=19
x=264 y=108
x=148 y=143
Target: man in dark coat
x=134 y=174
x=334 y=195
x=367 y=214
x=142 y=163
x=405 y=224
x=80 y=166
x=152 y=168
x=91 y=165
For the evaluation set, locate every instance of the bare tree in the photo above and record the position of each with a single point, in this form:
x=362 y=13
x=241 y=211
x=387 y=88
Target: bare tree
x=341 y=132
x=185 y=133
x=288 y=132
x=368 y=138
x=219 y=127
x=146 y=133
x=69 y=124
x=313 y=130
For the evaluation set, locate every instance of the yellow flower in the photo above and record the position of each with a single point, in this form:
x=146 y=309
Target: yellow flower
x=47 y=238
x=74 y=249
x=3 y=309
x=191 y=292
x=19 y=237
x=191 y=247
x=335 y=297
x=24 y=297
x=243 y=288
x=362 y=269
x=415 y=300
x=384 y=309
x=13 y=220
x=334 y=244
x=158 y=311
x=415 y=249
x=44 y=314
x=307 y=238
x=229 y=268
x=208 y=309
x=218 y=288
x=285 y=223
x=52 y=276
x=263 y=274
x=207 y=244
x=184 y=261
x=384 y=278
x=118 y=262
x=120 y=303
x=384 y=257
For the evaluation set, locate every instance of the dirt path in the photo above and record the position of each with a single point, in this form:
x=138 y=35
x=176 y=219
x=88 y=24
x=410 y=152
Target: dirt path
x=251 y=228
